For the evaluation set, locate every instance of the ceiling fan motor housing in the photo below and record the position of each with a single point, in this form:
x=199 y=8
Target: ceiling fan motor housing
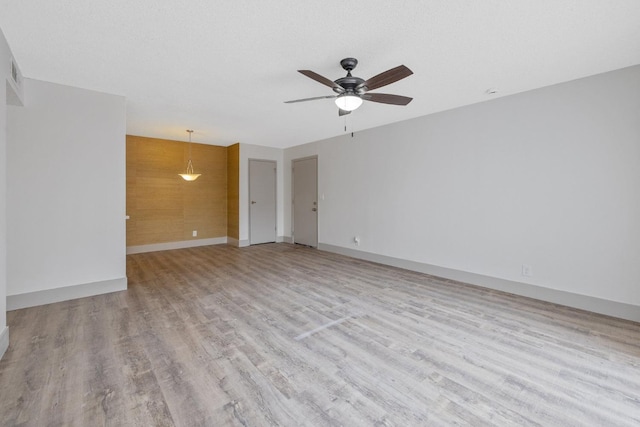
x=349 y=83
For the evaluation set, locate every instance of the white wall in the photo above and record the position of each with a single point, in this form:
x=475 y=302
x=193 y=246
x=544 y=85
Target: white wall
x=66 y=194
x=10 y=93
x=256 y=152
x=5 y=57
x=548 y=178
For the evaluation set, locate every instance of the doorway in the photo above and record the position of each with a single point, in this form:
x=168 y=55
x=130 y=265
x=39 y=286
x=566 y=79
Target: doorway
x=262 y=201
x=305 y=201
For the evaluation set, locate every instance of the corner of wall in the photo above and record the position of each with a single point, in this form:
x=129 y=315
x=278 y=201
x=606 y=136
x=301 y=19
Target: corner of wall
x=233 y=189
x=4 y=341
x=5 y=98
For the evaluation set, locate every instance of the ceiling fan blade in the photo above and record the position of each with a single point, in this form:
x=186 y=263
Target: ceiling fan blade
x=386 y=78
x=321 y=79
x=310 y=99
x=342 y=112
x=385 y=98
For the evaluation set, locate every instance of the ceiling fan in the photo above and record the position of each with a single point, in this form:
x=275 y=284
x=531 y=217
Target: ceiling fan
x=352 y=91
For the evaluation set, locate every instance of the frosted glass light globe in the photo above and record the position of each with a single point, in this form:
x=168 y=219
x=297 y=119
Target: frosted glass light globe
x=348 y=102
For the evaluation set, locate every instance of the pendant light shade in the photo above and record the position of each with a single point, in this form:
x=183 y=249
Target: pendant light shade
x=189 y=175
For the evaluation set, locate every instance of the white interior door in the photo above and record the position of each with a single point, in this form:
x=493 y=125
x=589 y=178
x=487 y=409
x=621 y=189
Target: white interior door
x=305 y=201
x=262 y=201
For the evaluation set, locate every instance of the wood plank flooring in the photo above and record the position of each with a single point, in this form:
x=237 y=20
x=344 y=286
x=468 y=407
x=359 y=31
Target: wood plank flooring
x=285 y=335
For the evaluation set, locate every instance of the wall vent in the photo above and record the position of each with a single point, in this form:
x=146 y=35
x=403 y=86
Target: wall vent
x=14 y=73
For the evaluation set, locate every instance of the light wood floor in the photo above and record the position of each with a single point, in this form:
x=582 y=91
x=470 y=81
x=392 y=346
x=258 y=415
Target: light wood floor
x=291 y=336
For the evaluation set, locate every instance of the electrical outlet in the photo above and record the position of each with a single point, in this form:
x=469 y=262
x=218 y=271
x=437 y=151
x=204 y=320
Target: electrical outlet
x=527 y=270
x=356 y=240
x=195 y=233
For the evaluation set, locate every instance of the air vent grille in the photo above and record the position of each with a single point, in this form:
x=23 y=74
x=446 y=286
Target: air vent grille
x=14 y=73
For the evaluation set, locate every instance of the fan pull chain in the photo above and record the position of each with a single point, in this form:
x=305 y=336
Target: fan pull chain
x=345 y=126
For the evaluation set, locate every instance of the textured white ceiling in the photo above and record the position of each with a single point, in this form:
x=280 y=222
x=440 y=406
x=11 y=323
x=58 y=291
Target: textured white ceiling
x=225 y=67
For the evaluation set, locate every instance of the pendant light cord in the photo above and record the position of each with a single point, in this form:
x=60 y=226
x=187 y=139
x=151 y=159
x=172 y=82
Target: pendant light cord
x=190 y=132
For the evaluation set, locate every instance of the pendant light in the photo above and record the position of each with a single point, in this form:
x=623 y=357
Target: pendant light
x=189 y=175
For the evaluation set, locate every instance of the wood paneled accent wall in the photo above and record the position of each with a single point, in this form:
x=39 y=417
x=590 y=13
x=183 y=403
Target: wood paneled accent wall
x=162 y=207
x=233 y=191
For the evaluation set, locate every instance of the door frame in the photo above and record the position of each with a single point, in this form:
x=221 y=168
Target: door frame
x=275 y=182
x=293 y=225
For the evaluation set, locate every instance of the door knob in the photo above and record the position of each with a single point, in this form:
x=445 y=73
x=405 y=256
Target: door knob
x=253 y=202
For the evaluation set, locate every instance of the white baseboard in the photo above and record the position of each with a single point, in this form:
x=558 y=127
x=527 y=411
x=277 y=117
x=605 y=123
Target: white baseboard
x=48 y=296
x=237 y=243
x=4 y=341
x=176 y=245
x=243 y=243
x=583 y=302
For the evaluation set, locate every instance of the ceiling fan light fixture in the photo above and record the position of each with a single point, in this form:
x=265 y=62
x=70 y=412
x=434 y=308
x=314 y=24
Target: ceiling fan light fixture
x=348 y=102
x=352 y=91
